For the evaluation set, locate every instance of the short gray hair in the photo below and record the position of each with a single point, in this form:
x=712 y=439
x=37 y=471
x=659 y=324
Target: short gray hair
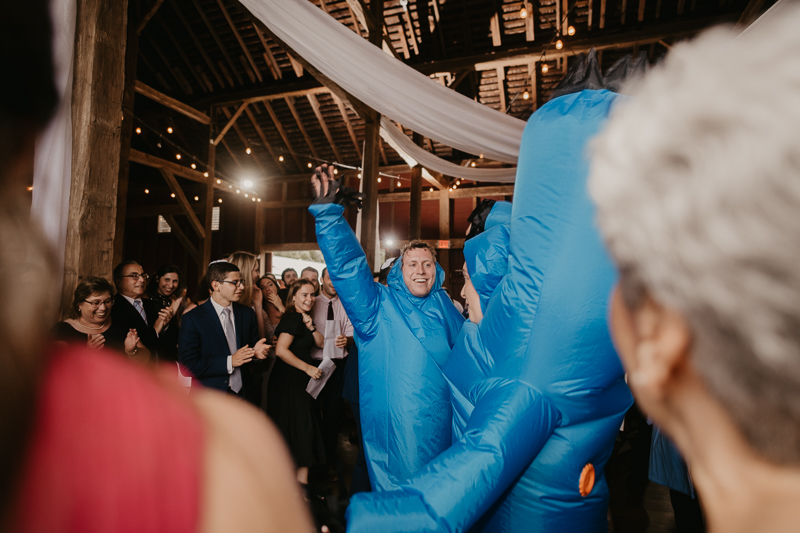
x=697 y=184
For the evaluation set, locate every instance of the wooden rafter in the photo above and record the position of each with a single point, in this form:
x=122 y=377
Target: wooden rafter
x=181 y=81
x=501 y=87
x=641 y=10
x=155 y=72
x=171 y=103
x=282 y=133
x=412 y=34
x=346 y=118
x=180 y=51
x=290 y=103
x=312 y=99
x=245 y=141
x=273 y=65
x=602 y=14
x=216 y=38
x=179 y=170
x=624 y=11
x=198 y=44
x=182 y=238
x=241 y=41
x=230 y=153
x=176 y=189
x=261 y=135
x=148 y=16
x=231 y=121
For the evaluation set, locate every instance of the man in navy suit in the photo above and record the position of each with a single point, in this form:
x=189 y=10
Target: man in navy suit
x=219 y=338
x=131 y=311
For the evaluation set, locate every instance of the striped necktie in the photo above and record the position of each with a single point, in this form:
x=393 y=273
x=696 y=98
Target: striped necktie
x=138 y=305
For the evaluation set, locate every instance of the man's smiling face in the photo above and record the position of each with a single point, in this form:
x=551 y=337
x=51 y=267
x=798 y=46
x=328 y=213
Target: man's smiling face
x=419 y=271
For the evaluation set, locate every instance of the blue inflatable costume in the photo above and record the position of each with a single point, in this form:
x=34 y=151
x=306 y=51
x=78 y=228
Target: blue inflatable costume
x=537 y=388
x=402 y=340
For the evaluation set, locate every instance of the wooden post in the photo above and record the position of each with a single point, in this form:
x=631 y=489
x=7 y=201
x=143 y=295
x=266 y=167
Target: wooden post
x=444 y=234
x=259 y=233
x=415 y=207
x=128 y=95
x=369 y=213
x=212 y=158
x=99 y=77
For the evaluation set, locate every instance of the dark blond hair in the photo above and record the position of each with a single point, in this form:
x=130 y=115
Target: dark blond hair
x=414 y=245
x=293 y=290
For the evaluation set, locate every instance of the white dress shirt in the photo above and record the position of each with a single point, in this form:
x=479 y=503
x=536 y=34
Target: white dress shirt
x=319 y=314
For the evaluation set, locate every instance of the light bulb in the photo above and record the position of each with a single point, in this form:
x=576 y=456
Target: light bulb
x=480 y=156
x=30 y=188
x=571 y=30
x=220 y=200
x=194 y=166
x=169 y=130
x=158 y=144
x=138 y=131
x=523 y=13
x=230 y=186
x=310 y=165
x=172 y=195
x=245 y=194
x=237 y=191
x=253 y=199
x=196 y=198
x=526 y=95
x=458 y=182
x=280 y=158
x=247 y=183
x=147 y=191
x=220 y=181
x=472 y=164
x=247 y=150
x=177 y=156
x=559 y=44
x=379 y=179
x=335 y=170
x=399 y=184
x=359 y=175
x=259 y=199
x=206 y=175
x=545 y=68
x=431 y=189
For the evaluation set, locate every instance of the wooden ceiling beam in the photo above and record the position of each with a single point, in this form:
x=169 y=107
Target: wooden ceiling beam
x=148 y=16
x=180 y=51
x=175 y=187
x=282 y=133
x=290 y=102
x=231 y=121
x=274 y=67
x=171 y=103
x=241 y=41
x=263 y=137
x=221 y=46
x=246 y=143
x=412 y=34
x=182 y=82
x=230 y=152
x=182 y=238
x=312 y=100
x=346 y=117
x=197 y=43
x=155 y=210
x=185 y=172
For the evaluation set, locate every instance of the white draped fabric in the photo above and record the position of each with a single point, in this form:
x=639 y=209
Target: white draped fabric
x=52 y=167
x=413 y=155
x=387 y=85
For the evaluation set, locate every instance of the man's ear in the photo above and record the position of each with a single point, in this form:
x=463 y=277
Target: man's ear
x=664 y=342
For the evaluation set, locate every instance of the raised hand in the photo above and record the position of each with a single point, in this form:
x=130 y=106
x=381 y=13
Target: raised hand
x=243 y=355
x=327 y=189
x=131 y=341
x=275 y=300
x=260 y=349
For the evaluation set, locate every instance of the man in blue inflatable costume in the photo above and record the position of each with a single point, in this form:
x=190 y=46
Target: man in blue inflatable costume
x=404 y=333
x=537 y=389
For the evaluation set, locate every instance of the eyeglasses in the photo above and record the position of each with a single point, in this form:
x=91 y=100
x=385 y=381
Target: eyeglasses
x=135 y=276
x=108 y=303
x=236 y=283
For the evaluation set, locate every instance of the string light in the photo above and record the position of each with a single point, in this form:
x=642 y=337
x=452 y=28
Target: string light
x=172 y=195
x=194 y=166
x=480 y=156
x=247 y=150
x=206 y=175
x=359 y=175
x=138 y=131
x=523 y=13
x=230 y=186
x=559 y=45
x=526 y=95
x=220 y=200
x=458 y=182
x=379 y=179
x=177 y=156
x=30 y=188
x=399 y=184
x=335 y=170
x=253 y=199
x=571 y=30
x=237 y=191
x=147 y=191
x=259 y=199
x=472 y=164
x=431 y=189
x=545 y=68
x=169 y=130
x=196 y=198
x=310 y=165
x=245 y=194
x=218 y=181
x=280 y=158
x=247 y=183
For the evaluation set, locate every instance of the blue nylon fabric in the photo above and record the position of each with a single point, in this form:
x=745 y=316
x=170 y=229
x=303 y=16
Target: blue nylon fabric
x=402 y=341
x=537 y=388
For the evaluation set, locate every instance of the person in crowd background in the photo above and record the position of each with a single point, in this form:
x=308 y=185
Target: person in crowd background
x=289 y=405
x=273 y=311
x=166 y=289
x=288 y=277
x=220 y=337
x=90 y=321
x=328 y=309
x=131 y=311
x=251 y=295
x=407 y=421
x=696 y=179
x=311 y=274
x=96 y=443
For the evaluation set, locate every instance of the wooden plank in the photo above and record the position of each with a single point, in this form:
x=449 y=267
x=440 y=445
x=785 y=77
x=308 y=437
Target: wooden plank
x=315 y=107
x=274 y=67
x=412 y=35
x=641 y=10
x=241 y=41
x=296 y=66
x=501 y=87
x=299 y=121
x=195 y=175
x=415 y=207
x=171 y=103
x=197 y=44
x=216 y=38
x=369 y=213
x=176 y=189
x=282 y=133
x=624 y=11
x=529 y=27
x=444 y=234
x=97 y=98
x=346 y=118
x=149 y=15
x=231 y=121
x=263 y=137
x=590 y=14
x=602 y=14
x=182 y=238
x=494 y=26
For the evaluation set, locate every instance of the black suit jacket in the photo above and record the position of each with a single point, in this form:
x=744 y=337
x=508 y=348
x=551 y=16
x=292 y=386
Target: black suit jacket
x=126 y=316
x=203 y=348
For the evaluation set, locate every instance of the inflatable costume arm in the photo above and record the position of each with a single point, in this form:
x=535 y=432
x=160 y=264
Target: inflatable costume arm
x=346 y=262
x=507 y=429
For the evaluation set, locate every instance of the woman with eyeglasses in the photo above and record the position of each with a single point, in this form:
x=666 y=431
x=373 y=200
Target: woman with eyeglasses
x=90 y=321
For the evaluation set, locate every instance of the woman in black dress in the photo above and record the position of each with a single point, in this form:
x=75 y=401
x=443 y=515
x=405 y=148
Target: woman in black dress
x=166 y=290
x=90 y=321
x=289 y=405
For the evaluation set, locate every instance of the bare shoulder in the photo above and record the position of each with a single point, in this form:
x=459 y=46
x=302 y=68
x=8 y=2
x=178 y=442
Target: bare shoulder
x=249 y=482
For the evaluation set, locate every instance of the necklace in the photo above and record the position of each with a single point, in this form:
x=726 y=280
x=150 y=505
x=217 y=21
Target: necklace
x=90 y=327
